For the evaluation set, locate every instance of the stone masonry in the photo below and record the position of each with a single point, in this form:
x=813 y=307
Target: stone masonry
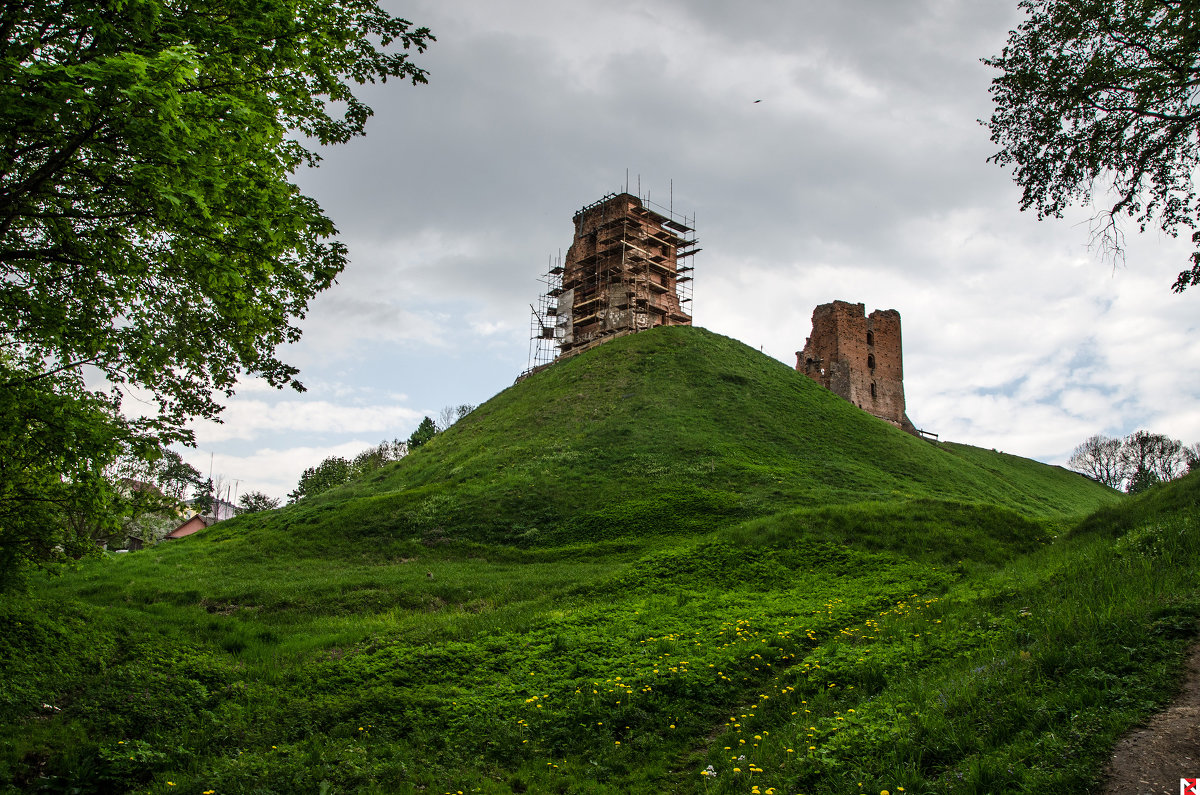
x=622 y=273
x=859 y=358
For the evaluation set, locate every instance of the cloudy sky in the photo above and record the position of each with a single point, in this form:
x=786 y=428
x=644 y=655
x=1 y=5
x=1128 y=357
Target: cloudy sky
x=861 y=175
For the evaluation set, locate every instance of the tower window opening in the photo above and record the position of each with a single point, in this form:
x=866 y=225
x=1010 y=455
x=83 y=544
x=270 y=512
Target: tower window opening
x=871 y=360
x=872 y=390
x=870 y=337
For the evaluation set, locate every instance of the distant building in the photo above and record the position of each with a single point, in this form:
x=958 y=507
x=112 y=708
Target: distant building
x=622 y=274
x=221 y=511
x=192 y=525
x=859 y=358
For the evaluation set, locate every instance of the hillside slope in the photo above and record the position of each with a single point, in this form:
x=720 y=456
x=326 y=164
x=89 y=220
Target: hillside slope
x=675 y=429
x=670 y=564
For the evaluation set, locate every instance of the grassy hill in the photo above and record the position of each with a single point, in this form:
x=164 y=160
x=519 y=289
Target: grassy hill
x=672 y=430
x=665 y=557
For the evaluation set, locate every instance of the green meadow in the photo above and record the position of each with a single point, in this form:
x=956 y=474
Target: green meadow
x=669 y=564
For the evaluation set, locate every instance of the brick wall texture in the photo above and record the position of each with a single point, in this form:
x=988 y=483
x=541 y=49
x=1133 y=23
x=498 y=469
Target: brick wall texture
x=620 y=273
x=859 y=358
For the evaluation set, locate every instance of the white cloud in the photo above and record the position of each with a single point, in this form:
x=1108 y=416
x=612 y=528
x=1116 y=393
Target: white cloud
x=251 y=419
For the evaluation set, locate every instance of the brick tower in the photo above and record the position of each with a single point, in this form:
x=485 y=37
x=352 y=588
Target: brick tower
x=859 y=358
x=624 y=272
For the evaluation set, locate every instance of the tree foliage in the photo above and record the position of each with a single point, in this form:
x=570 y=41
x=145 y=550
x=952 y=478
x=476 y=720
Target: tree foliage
x=1099 y=97
x=150 y=233
x=256 y=502
x=452 y=414
x=1099 y=457
x=426 y=430
x=54 y=448
x=1135 y=462
x=335 y=470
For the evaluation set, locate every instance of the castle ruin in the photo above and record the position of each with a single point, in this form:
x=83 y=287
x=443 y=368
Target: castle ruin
x=627 y=270
x=858 y=357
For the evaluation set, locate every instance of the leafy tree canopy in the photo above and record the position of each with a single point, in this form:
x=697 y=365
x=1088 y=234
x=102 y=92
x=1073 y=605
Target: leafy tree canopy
x=335 y=470
x=426 y=430
x=1099 y=96
x=256 y=501
x=150 y=233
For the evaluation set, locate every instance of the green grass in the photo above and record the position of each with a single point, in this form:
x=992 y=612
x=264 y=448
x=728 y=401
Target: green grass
x=704 y=560
x=675 y=430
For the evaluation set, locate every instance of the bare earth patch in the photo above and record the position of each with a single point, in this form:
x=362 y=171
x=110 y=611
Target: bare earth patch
x=1152 y=759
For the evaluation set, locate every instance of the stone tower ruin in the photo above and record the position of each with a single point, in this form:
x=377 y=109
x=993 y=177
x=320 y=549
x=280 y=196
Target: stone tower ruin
x=859 y=358
x=627 y=270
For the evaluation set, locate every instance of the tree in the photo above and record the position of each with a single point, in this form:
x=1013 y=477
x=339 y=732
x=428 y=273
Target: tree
x=256 y=502
x=168 y=473
x=424 y=432
x=1099 y=457
x=1136 y=462
x=1141 y=480
x=335 y=470
x=375 y=457
x=204 y=500
x=149 y=228
x=452 y=414
x=1192 y=454
x=1146 y=452
x=1099 y=95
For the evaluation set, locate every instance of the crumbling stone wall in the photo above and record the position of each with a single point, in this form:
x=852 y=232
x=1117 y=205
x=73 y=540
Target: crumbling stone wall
x=859 y=358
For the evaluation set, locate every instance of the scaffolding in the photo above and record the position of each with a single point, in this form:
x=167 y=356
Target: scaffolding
x=629 y=268
x=544 y=332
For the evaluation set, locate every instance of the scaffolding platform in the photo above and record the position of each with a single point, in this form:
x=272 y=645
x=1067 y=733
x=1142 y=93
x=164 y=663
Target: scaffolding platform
x=621 y=274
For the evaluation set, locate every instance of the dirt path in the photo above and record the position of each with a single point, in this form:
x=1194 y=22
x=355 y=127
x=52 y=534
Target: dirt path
x=1152 y=759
